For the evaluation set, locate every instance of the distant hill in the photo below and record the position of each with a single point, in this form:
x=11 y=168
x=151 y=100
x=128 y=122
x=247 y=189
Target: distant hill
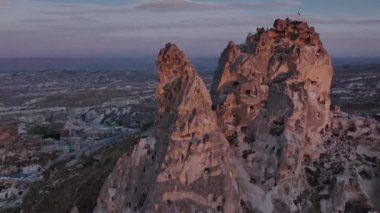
x=91 y=64
x=137 y=64
x=39 y=64
x=355 y=61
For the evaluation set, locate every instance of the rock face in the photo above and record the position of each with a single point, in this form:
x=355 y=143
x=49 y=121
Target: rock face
x=280 y=77
x=271 y=95
x=349 y=171
x=184 y=166
x=265 y=142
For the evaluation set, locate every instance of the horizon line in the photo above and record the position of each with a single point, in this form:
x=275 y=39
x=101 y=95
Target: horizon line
x=140 y=57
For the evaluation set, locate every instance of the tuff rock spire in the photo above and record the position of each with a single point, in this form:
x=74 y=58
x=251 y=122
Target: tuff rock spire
x=186 y=165
x=271 y=96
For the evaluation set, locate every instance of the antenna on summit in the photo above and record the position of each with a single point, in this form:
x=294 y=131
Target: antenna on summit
x=299 y=14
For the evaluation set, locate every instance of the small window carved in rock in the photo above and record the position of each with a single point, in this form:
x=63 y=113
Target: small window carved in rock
x=206 y=170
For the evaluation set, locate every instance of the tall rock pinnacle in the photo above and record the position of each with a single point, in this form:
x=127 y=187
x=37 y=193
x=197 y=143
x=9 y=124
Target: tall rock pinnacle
x=271 y=95
x=186 y=164
x=182 y=97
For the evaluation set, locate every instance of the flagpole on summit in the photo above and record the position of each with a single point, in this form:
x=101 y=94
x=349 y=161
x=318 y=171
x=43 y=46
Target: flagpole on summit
x=299 y=16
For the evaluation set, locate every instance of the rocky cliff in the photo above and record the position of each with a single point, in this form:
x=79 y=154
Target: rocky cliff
x=265 y=142
x=184 y=166
x=271 y=95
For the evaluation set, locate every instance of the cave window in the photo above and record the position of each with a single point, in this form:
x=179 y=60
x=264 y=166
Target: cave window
x=206 y=170
x=206 y=137
x=306 y=158
x=244 y=155
x=298 y=51
x=278 y=152
x=264 y=104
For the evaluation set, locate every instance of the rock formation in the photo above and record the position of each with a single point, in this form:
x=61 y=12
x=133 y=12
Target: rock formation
x=184 y=167
x=265 y=142
x=271 y=95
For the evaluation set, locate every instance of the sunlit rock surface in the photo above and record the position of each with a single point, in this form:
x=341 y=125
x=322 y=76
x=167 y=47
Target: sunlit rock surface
x=271 y=95
x=187 y=164
x=266 y=141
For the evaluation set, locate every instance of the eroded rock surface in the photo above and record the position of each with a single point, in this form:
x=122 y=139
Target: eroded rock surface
x=266 y=141
x=271 y=95
x=185 y=166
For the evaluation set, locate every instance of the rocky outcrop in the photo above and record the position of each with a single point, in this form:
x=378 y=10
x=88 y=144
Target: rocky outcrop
x=265 y=141
x=186 y=164
x=271 y=95
x=348 y=172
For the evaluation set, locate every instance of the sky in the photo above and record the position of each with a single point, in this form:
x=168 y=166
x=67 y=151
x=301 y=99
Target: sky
x=202 y=28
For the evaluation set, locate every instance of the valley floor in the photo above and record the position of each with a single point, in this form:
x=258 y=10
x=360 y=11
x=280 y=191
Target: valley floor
x=61 y=132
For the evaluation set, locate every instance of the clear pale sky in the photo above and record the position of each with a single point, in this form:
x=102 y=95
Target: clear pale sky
x=137 y=28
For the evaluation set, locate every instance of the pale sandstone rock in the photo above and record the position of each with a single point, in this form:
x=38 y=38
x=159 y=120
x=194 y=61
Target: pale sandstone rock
x=186 y=160
x=351 y=175
x=273 y=91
